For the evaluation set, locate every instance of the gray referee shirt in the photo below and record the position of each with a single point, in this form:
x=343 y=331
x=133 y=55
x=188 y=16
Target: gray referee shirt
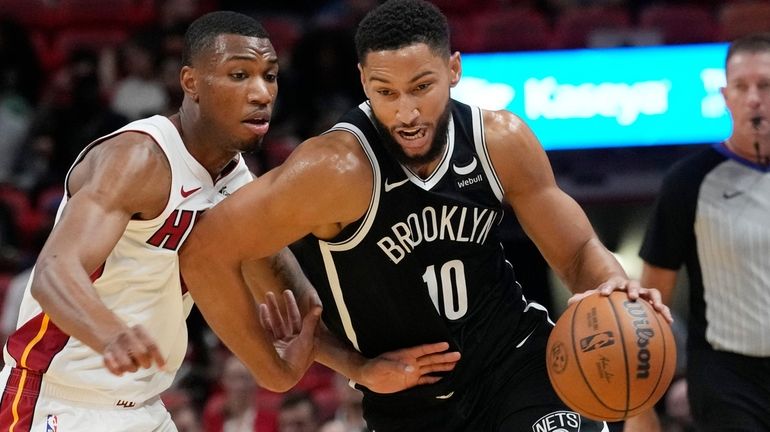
x=713 y=216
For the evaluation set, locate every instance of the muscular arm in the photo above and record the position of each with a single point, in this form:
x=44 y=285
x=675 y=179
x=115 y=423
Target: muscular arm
x=282 y=271
x=321 y=187
x=390 y=372
x=553 y=220
x=230 y=309
x=277 y=273
x=125 y=176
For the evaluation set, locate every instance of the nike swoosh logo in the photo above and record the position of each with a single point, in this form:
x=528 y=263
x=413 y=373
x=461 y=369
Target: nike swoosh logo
x=525 y=339
x=446 y=396
x=731 y=194
x=185 y=193
x=464 y=170
x=390 y=186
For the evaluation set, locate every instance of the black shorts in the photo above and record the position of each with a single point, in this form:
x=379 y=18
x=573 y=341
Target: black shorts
x=513 y=396
x=728 y=392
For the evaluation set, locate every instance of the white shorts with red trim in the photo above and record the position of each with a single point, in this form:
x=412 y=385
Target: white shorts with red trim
x=29 y=403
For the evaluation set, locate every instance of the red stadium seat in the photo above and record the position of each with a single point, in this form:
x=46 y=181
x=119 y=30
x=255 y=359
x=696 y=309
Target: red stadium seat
x=268 y=400
x=34 y=14
x=50 y=59
x=26 y=218
x=680 y=23
x=47 y=15
x=463 y=7
x=16 y=199
x=96 y=14
x=738 y=19
x=518 y=29
x=464 y=36
x=284 y=32
x=95 y=39
x=573 y=28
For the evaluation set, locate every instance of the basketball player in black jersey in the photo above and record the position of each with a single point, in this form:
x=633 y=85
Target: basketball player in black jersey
x=393 y=215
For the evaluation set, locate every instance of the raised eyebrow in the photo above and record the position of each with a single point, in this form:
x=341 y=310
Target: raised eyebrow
x=417 y=77
x=421 y=75
x=271 y=60
x=376 y=78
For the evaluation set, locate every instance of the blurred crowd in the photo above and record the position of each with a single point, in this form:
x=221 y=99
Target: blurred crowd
x=74 y=70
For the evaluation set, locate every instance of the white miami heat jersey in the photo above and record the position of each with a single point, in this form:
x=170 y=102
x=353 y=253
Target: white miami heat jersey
x=139 y=281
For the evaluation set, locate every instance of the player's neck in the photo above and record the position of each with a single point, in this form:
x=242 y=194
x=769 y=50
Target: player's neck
x=424 y=170
x=195 y=139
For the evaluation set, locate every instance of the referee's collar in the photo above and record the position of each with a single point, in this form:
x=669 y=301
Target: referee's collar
x=725 y=151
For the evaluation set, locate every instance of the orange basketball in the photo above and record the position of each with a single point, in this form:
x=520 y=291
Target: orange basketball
x=610 y=358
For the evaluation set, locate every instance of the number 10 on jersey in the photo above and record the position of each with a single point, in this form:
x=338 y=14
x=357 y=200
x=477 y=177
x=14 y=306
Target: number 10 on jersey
x=450 y=291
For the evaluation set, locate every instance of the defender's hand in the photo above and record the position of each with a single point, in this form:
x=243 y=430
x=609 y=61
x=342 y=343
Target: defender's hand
x=293 y=336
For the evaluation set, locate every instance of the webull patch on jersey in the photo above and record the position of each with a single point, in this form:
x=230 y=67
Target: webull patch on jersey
x=558 y=421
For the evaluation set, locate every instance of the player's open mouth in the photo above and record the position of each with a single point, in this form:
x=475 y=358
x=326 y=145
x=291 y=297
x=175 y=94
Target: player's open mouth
x=258 y=126
x=412 y=133
x=257 y=122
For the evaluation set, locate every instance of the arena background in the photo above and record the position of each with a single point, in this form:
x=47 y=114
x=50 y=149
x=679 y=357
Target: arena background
x=72 y=70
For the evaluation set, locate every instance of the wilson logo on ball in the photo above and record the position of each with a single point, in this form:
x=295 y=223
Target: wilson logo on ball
x=599 y=340
x=644 y=333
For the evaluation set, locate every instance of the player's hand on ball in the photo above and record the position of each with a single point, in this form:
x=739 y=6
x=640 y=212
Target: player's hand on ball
x=131 y=349
x=401 y=369
x=634 y=291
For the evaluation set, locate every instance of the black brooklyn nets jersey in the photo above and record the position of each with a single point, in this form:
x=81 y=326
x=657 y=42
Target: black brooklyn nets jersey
x=425 y=263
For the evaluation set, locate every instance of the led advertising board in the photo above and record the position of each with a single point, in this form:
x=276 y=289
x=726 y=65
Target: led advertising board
x=609 y=97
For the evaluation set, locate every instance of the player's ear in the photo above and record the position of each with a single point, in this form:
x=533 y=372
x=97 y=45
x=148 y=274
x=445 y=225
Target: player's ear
x=363 y=79
x=455 y=69
x=187 y=78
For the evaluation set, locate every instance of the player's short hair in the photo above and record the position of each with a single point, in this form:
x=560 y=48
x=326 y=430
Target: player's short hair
x=202 y=32
x=399 y=23
x=754 y=43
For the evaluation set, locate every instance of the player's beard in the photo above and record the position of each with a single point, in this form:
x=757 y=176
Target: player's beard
x=436 y=146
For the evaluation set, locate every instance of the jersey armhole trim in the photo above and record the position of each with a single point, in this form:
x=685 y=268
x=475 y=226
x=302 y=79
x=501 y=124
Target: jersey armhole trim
x=371 y=212
x=126 y=129
x=480 y=142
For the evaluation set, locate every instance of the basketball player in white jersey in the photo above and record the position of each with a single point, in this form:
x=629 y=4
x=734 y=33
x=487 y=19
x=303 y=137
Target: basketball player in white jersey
x=101 y=330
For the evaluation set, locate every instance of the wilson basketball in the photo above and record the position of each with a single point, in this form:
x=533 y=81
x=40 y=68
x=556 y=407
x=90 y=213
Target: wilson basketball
x=610 y=358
